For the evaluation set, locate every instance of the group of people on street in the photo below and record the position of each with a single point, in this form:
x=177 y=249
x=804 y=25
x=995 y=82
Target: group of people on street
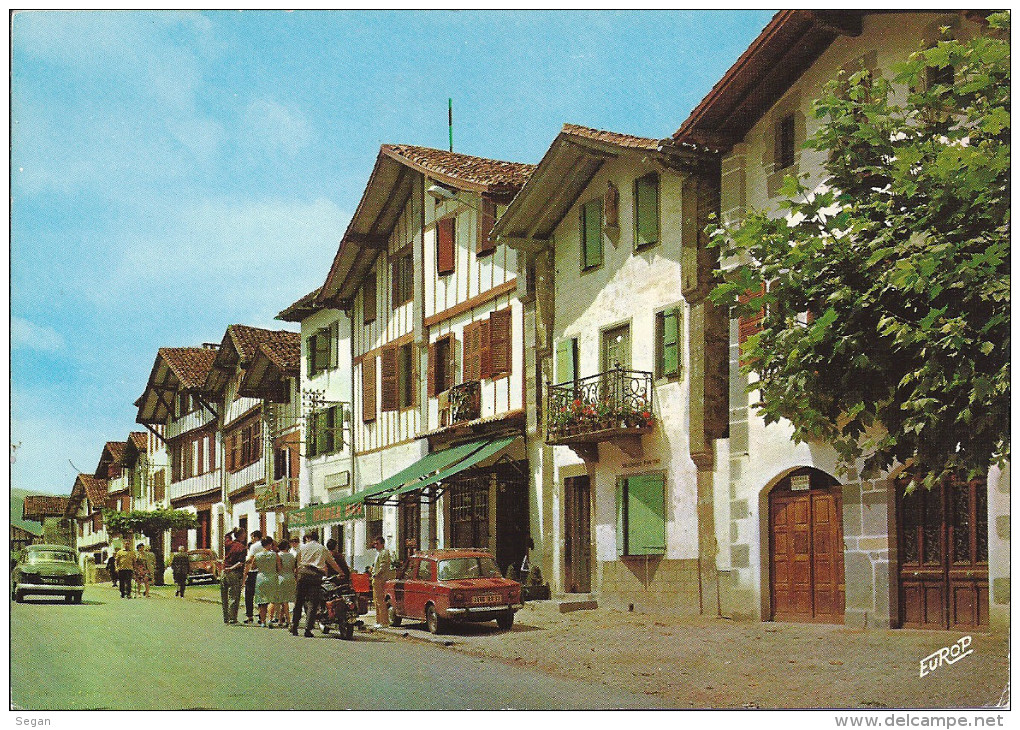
x=129 y=565
x=276 y=574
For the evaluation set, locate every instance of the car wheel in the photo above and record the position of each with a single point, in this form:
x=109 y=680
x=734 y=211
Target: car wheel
x=395 y=618
x=19 y=597
x=505 y=621
x=325 y=627
x=435 y=622
x=69 y=598
x=77 y=597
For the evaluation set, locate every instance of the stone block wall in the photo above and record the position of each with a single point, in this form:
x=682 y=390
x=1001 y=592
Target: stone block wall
x=869 y=530
x=652 y=585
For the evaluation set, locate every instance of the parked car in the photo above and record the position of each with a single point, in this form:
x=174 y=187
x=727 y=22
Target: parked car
x=47 y=570
x=459 y=584
x=204 y=566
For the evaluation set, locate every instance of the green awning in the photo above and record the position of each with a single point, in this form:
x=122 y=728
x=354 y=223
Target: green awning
x=490 y=449
x=428 y=470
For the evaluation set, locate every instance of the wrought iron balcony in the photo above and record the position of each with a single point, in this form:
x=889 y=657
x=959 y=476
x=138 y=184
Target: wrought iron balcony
x=612 y=406
x=461 y=403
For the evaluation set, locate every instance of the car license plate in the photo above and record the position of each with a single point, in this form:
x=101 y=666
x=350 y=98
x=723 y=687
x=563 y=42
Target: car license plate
x=51 y=580
x=487 y=598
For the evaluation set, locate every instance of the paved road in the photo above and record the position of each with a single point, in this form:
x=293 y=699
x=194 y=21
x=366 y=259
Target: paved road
x=169 y=654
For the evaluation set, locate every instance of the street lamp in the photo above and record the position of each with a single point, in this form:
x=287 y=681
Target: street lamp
x=442 y=195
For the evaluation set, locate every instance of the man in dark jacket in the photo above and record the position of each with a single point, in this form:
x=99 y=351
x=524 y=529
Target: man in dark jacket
x=180 y=565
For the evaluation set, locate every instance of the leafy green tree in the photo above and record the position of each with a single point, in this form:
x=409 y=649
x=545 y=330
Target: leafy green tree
x=151 y=523
x=885 y=290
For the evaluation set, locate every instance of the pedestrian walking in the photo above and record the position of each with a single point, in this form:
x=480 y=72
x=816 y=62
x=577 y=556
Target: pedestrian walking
x=287 y=590
x=111 y=568
x=266 y=564
x=124 y=561
x=180 y=566
x=145 y=566
x=254 y=546
x=230 y=579
x=380 y=574
x=313 y=559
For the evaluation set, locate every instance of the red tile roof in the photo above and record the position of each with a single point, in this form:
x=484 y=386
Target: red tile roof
x=191 y=365
x=496 y=175
x=300 y=309
x=95 y=489
x=116 y=449
x=247 y=339
x=614 y=138
x=139 y=439
x=36 y=507
x=286 y=355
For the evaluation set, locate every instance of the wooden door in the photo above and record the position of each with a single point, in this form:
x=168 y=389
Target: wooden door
x=577 y=517
x=806 y=550
x=616 y=348
x=943 y=556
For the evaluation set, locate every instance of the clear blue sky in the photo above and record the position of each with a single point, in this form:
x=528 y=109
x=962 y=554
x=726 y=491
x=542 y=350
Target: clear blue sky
x=176 y=172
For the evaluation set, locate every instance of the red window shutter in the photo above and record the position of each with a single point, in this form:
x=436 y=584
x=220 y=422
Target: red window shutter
x=389 y=379
x=451 y=362
x=368 y=389
x=484 y=350
x=611 y=206
x=200 y=466
x=499 y=341
x=212 y=452
x=486 y=221
x=749 y=326
x=369 y=299
x=431 y=372
x=446 y=230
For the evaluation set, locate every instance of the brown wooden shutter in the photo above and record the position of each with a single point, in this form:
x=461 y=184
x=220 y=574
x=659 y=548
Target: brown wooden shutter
x=499 y=341
x=212 y=452
x=389 y=379
x=431 y=373
x=749 y=326
x=611 y=206
x=368 y=389
x=486 y=221
x=446 y=233
x=369 y=299
x=485 y=351
x=472 y=352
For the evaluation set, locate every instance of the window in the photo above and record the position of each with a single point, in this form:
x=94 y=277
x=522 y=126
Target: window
x=186 y=403
x=192 y=455
x=667 y=343
x=369 y=299
x=641 y=515
x=324 y=431
x=785 y=142
x=446 y=245
x=616 y=348
x=646 y=210
x=405 y=376
x=244 y=445
x=402 y=275
x=443 y=364
x=368 y=389
x=389 y=379
x=486 y=221
x=566 y=360
x=591 y=234
x=499 y=341
x=323 y=349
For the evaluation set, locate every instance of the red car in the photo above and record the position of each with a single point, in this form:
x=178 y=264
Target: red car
x=204 y=565
x=458 y=584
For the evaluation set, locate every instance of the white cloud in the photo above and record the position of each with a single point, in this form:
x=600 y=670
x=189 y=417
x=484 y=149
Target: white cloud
x=270 y=125
x=30 y=336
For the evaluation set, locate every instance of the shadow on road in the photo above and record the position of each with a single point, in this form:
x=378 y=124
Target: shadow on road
x=29 y=601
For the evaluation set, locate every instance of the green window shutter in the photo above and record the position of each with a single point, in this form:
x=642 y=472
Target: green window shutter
x=646 y=515
x=311 y=355
x=334 y=345
x=621 y=535
x=670 y=365
x=646 y=210
x=591 y=233
x=566 y=354
x=321 y=433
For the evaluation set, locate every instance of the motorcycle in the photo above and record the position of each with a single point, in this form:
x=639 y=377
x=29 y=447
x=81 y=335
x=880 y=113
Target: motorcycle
x=338 y=607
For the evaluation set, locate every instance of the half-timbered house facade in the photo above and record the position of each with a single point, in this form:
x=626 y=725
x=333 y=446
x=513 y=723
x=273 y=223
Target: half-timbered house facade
x=609 y=226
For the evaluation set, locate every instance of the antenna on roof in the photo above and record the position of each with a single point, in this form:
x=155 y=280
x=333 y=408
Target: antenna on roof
x=450 y=110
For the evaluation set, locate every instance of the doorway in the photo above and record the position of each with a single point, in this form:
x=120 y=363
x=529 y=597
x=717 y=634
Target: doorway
x=806 y=548
x=577 y=517
x=943 y=556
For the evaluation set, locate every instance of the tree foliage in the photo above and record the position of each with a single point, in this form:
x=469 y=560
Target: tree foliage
x=885 y=289
x=150 y=522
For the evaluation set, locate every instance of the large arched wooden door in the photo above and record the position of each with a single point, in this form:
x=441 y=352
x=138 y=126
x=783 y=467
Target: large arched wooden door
x=943 y=556
x=806 y=548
